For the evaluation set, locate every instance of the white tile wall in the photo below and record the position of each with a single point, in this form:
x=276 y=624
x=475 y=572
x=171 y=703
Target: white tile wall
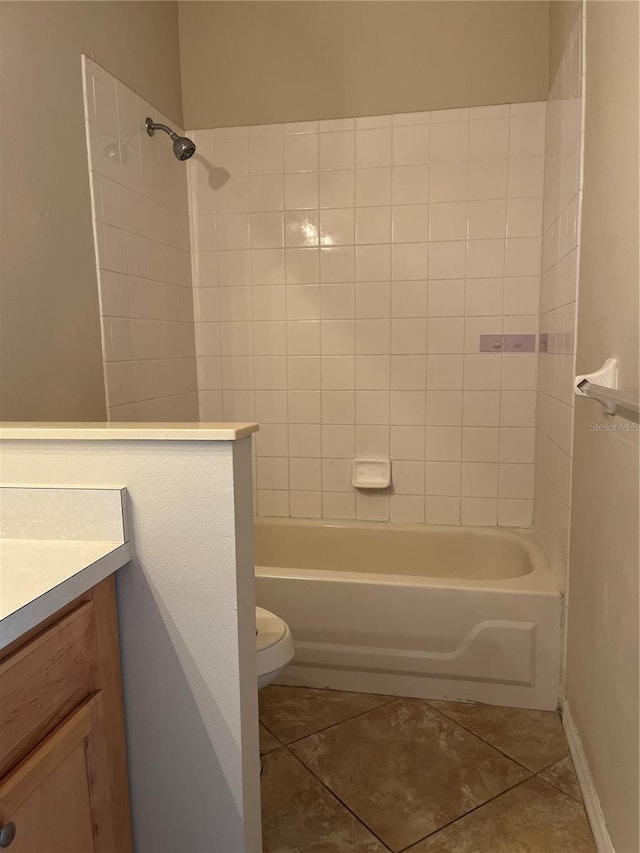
x=141 y=228
x=558 y=304
x=344 y=271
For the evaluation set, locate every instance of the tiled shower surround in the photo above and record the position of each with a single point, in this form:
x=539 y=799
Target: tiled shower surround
x=344 y=272
x=558 y=305
x=141 y=227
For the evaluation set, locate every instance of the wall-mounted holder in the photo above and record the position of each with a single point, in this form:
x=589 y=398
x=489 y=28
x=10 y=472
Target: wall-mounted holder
x=602 y=385
x=507 y=343
x=371 y=473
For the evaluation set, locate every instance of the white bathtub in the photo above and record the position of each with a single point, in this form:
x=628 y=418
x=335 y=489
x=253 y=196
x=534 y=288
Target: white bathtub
x=433 y=612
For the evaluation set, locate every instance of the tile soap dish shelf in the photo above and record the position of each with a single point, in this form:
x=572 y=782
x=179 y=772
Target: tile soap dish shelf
x=371 y=473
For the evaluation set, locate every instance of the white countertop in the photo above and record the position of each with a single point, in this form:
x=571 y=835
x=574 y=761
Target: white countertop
x=35 y=431
x=39 y=576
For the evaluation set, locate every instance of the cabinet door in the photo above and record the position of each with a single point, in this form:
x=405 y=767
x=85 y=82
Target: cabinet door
x=47 y=795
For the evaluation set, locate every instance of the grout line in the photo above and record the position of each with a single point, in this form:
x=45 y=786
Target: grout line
x=333 y=794
x=471 y=732
x=388 y=701
x=261 y=723
x=466 y=814
x=557 y=787
x=338 y=799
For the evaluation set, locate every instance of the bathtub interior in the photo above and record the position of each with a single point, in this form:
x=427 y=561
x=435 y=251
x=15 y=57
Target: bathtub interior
x=392 y=549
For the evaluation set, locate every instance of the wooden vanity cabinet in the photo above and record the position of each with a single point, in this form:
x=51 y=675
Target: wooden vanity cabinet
x=63 y=768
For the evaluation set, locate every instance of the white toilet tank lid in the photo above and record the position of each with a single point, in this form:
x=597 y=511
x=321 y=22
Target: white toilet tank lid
x=270 y=629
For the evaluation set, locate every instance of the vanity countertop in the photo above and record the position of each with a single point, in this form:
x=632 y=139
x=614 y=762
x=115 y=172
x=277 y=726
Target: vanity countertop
x=39 y=576
x=114 y=431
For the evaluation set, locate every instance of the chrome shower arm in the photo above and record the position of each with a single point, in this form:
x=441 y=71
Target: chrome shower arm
x=152 y=126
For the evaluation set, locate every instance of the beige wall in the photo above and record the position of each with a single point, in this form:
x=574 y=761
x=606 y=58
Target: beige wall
x=51 y=357
x=602 y=658
x=264 y=62
x=562 y=17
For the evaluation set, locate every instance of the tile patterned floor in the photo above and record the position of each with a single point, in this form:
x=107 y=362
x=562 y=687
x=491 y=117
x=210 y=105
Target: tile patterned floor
x=360 y=773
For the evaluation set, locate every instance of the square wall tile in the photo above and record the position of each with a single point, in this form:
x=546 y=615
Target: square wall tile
x=448 y=221
x=411 y=145
x=337 y=227
x=409 y=261
x=301 y=152
x=305 y=504
x=373 y=263
x=337 y=188
x=373 y=225
x=442 y=510
x=410 y=223
x=450 y=142
x=373 y=187
x=338 y=505
x=410 y=185
x=479 y=512
x=487 y=219
x=301 y=228
x=409 y=299
x=337 y=263
x=373 y=148
x=337 y=150
x=345 y=274
x=406 y=509
x=489 y=138
x=301 y=190
x=442 y=478
x=373 y=299
x=336 y=475
x=407 y=442
x=337 y=372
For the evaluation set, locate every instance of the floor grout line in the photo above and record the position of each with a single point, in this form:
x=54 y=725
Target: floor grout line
x=261 y=723
x=466 y=814
x=493 y=746
x=389 y=700
x=336 y=797
x=395 y=699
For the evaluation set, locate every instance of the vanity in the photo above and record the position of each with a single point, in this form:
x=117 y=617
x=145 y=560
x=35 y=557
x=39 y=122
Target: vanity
x=63 y=762
x=128 y=682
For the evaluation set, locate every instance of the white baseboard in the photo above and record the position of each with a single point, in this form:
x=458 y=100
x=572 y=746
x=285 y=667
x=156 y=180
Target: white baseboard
x=585 y=780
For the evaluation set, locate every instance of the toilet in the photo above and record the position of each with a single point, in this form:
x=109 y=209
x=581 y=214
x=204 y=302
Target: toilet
x=274 y=645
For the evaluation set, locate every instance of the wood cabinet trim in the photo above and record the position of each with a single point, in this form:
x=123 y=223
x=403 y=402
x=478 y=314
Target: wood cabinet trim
x=22 y=781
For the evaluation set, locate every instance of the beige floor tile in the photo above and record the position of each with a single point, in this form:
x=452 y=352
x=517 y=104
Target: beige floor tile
x=405 y=770
x=533 y=738
x=532 y=818
x=299 y=815
x=563 y=776
x=268 y=741
x=295 y=712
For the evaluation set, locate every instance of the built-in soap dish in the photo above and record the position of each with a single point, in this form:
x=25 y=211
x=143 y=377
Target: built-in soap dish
x=371 y=473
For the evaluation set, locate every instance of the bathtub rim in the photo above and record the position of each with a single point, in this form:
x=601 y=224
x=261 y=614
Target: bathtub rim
x=539 y=580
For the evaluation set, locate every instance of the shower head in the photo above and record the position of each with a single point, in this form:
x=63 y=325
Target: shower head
x=183 y=147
